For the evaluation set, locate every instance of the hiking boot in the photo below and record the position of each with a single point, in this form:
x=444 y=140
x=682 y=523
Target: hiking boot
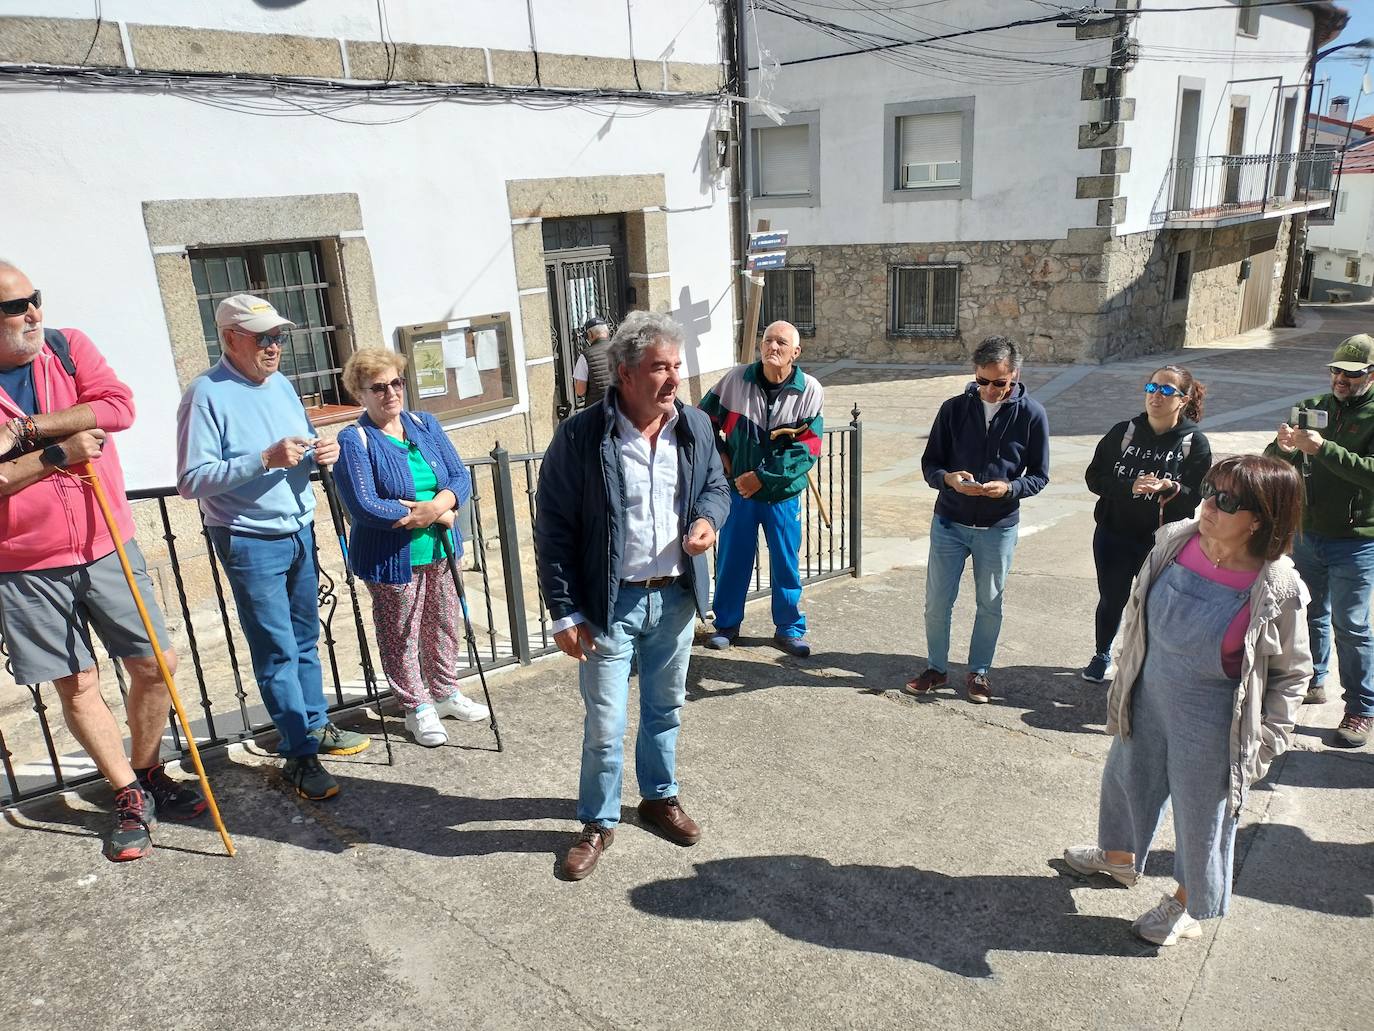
x=172 y=800
x=797 y=647
x=309 y=778
x=1166 y=923
x=722 y=638
x=337 y=741
x=1098 y=670
x=135 y=815
x=1316 y=694
x=978 y=688
x=1354 y=729
x=926 y=682
x=1089 y=859
x=423 y=725
x=459 y=706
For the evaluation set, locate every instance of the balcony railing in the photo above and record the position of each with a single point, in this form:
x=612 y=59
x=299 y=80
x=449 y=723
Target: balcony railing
x=1227 y=189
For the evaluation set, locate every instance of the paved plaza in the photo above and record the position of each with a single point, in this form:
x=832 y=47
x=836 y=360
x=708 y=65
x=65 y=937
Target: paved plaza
x=868 y=860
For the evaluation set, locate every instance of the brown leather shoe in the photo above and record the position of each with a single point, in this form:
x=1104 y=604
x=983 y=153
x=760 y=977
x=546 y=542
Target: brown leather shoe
x=667 y=817
x=979 y=690
x=586 y=850
x=926 y=682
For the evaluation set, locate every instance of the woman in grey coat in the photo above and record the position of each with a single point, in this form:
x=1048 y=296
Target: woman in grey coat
x=1212 y=668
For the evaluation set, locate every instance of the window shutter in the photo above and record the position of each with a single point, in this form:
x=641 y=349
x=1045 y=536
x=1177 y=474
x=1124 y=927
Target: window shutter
x=931 y=139
x=785 y=168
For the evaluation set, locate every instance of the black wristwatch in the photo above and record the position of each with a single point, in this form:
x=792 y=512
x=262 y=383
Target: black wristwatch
x=54 y=455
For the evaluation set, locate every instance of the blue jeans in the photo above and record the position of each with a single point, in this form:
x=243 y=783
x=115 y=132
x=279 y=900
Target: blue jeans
x=276 y=590
x=951 y=545
x=1339 y=573
x=656 y=627
x=739 y=538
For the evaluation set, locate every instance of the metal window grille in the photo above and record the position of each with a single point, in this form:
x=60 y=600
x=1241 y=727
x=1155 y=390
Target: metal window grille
x=291 y=277
x=789 y=296
x=923 y=300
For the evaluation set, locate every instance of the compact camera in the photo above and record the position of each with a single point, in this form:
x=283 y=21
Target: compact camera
x=1307 y=418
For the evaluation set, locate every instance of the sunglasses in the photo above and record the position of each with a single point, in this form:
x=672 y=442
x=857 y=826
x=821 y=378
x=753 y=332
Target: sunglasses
x=1000 y=384
x=265 y=340
x=380 y=389
x=1346 y=373
x=1224 y=500
x=20 y=305
x=1165 y=389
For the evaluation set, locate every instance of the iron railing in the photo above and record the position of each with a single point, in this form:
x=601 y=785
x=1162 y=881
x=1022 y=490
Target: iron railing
x=511 y=623
x=1226 y=188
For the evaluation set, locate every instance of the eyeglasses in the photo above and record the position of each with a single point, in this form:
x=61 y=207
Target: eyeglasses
x=265 y=340
x=1164 y=388
x=1347 y=374
x=20 y=305
x=1223 y=499
x=998 y=383
x=380 y=389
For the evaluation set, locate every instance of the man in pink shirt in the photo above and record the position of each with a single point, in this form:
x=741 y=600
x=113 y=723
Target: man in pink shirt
x=59 y=574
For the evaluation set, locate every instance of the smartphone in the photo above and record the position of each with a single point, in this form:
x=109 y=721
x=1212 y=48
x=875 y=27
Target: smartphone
x=969 y=481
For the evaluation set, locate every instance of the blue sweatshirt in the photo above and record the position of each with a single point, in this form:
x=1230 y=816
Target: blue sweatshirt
x=1015 y=448
x=224 y=424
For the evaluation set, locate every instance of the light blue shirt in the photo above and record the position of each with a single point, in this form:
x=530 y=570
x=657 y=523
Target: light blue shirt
x=224 y=424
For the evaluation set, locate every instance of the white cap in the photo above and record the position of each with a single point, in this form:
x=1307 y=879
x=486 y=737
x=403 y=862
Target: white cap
x=249 y=313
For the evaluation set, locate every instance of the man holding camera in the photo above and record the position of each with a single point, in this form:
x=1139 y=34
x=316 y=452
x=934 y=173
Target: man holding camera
x=1331 y=440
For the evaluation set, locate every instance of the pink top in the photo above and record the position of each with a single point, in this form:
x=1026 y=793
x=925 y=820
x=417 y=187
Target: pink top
x=1195 y=560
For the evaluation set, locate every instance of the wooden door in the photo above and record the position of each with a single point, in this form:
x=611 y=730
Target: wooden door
x=1254 y=308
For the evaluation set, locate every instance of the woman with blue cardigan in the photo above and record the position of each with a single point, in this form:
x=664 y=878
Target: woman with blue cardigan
x=402 y=481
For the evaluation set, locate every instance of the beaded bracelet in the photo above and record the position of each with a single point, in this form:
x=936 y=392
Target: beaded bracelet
x=25 y=429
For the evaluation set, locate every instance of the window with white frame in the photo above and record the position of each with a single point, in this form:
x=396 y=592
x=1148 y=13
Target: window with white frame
x=789 y=296
x=1248 y=21
x=923 y=300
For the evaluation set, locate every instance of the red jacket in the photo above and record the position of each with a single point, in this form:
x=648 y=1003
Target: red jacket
x=57 y=521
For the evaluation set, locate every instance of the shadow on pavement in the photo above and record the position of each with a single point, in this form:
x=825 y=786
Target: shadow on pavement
x=874 y=672
x=948 y=922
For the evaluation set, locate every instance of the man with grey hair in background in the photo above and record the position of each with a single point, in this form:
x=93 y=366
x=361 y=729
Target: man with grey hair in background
x=988 y=448
x=631 y=494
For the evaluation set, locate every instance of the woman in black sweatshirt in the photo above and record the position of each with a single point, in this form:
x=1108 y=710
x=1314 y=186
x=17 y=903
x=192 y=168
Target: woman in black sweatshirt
x=1145 y=472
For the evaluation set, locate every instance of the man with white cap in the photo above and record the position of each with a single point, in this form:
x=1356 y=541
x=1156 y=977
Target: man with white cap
x=245 y=449
x=1335 y=551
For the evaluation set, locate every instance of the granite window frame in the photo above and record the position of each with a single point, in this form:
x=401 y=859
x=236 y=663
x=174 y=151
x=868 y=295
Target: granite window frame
x=892 y=151
x=759 y=125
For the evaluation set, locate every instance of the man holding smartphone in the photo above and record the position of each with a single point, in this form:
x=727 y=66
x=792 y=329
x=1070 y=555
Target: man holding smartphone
x=988 y=448
x=1335 y=551
x=245 y=451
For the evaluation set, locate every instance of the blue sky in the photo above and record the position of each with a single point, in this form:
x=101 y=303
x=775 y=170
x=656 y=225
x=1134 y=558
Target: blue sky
x=1346 y=75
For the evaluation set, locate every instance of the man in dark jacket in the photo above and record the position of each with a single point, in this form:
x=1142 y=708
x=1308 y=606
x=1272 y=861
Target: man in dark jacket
x=1335 y=551
x=988 y=448
x=631 y=494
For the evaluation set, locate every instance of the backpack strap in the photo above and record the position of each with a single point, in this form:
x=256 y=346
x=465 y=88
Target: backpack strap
x=1186 y=445
x=1126 y=437
x=57 y=344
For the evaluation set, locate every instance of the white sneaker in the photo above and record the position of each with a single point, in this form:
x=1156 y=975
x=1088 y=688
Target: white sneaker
x=1166 y=923
x=460 y=707
x=1089 y=859
x=424 y=726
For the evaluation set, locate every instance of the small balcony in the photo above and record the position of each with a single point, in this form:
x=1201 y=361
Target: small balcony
x=1228 y=189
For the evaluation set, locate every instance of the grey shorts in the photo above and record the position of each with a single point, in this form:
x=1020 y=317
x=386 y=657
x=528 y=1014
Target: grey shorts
x=46 y=616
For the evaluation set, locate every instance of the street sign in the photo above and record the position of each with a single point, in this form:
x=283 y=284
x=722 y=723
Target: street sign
x=766 y=260
x=767 y=241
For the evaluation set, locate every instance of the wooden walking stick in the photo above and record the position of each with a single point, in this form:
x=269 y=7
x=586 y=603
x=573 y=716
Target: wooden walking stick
x=89 y=475
x=793 y=431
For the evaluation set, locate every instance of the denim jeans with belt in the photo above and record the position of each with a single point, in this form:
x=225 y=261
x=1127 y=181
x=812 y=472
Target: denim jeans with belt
x=655 y=626
x=1339 y=573
x=276 y=591
x=951 y=545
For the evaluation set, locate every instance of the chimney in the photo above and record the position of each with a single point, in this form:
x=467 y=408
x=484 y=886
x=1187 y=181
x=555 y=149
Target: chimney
x=1340 y=108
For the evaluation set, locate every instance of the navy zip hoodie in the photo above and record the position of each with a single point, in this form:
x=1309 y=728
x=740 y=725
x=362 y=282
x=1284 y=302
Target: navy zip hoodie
x=1015 y=447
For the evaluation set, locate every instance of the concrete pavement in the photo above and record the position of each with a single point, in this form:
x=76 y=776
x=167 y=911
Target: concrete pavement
x=868 y=860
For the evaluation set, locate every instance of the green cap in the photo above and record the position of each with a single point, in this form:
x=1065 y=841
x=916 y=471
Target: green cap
x=1355 y=354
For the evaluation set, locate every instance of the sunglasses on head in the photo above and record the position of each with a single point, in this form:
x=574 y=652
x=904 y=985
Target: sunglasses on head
x=1164 y=388
x=1000 y=384
x=1223 y=499
x=380 y=389
x=20 y=305
x=1347 y=374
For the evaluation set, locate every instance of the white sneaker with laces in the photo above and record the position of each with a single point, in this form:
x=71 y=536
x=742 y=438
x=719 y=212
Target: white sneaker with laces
x=424 y=726
x=1089 y=859
x=1166 y=923
x=458 y=706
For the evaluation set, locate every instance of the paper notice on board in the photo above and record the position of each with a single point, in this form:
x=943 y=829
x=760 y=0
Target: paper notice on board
x=455 y=347
x=469 y=380
x=488 y=349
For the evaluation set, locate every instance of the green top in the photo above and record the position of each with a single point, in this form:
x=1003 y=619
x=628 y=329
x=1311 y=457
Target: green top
x=1340 y=490
x=424 y=544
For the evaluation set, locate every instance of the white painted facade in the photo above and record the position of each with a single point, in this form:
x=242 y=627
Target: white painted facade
x=431 y=188
x=1349 y=238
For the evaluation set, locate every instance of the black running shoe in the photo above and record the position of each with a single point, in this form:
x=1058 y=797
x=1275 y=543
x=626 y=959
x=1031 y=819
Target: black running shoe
x=135 y=814
x=174 y=800
x=309 y=778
